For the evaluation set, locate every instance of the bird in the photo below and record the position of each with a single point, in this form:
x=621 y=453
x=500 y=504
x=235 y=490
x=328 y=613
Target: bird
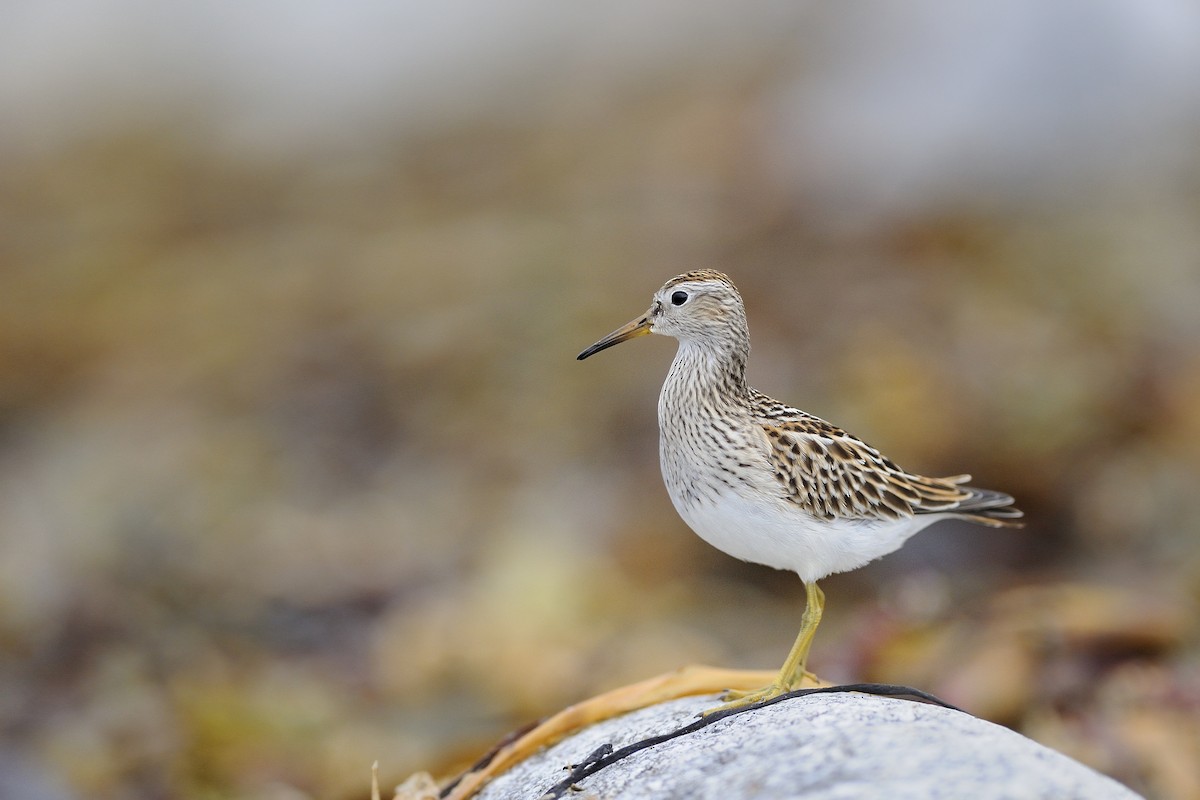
x=768 y=483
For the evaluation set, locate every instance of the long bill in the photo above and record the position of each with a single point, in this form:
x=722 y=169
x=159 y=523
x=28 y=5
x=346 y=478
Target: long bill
x=630 y=330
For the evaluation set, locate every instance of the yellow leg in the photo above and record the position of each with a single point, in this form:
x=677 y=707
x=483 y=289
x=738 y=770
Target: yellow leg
x=793 y=673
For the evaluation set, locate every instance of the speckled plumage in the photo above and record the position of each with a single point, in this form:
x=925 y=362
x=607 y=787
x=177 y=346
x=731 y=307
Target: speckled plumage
x=769 y=483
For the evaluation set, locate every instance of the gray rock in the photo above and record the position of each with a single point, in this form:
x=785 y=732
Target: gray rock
x=825 y=746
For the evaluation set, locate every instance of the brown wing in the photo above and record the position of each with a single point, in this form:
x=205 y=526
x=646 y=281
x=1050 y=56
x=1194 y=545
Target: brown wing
x=833 y=474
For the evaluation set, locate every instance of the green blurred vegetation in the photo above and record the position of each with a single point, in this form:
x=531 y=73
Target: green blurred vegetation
x=297 y=469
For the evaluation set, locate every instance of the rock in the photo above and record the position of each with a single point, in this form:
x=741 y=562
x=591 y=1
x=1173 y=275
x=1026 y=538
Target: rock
x=847 y=745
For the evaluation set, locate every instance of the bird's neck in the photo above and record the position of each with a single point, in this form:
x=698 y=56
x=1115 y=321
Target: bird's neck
x=708 y=376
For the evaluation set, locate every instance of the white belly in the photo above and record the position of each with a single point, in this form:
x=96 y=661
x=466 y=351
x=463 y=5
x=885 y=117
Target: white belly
x=778 y=534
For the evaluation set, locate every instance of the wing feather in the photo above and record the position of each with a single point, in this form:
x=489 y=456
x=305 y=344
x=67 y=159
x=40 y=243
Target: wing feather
x=833 y=474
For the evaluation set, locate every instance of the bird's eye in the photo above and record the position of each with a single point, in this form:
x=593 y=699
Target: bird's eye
x=679 y=298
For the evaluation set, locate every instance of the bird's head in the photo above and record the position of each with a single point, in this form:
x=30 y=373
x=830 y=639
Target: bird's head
x=700 y=308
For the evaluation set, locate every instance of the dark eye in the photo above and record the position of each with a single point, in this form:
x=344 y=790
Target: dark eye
x=679 y=298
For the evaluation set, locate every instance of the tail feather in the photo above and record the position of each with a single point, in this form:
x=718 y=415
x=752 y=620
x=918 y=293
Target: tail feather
x=987 y=507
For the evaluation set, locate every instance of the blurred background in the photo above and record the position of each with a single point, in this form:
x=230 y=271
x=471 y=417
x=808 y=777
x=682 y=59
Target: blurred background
x=297 y=468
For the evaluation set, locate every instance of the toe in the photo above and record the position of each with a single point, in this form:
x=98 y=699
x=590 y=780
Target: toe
x=740 y=699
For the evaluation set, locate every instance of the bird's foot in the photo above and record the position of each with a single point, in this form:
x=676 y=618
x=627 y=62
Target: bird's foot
x=741 y=699
x=735 y=700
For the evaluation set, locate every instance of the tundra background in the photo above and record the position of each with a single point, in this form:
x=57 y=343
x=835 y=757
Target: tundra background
x=297 y=468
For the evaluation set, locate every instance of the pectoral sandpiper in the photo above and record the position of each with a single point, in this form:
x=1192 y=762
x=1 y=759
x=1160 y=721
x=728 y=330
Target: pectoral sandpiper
x=769 y=483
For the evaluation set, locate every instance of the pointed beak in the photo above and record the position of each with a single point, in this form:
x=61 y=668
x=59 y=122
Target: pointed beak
x=630 y=330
